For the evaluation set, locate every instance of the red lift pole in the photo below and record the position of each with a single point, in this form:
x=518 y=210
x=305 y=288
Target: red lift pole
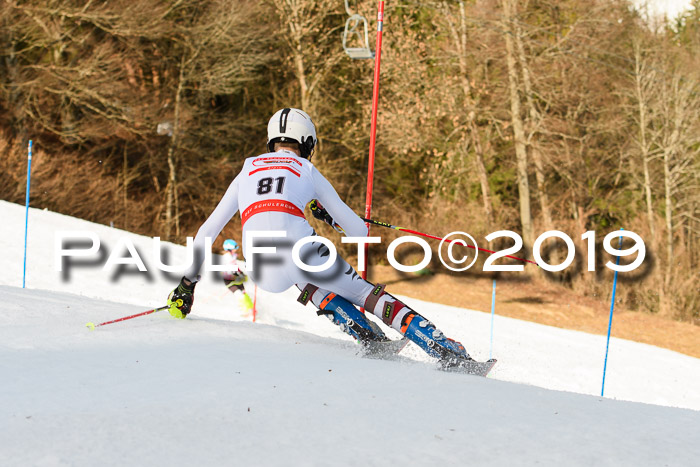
x=373 y=127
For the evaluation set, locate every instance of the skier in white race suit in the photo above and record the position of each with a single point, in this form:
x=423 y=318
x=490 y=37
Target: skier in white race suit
x=271 y=192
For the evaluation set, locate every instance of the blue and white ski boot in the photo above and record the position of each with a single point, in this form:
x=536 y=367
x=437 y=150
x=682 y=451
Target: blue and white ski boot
x=450 y=353
x=352 y=321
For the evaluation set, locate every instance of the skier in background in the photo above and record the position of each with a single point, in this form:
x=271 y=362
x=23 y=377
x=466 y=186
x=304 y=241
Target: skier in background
x=235 y=278
x=271 y=192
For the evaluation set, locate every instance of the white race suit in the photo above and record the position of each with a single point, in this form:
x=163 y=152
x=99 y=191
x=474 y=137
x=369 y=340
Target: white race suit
x=271 y=192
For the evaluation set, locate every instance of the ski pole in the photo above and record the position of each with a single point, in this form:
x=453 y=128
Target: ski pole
x=402 y=229
x=92 y=326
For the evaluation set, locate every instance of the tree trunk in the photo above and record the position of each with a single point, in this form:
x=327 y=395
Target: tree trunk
x=518 y=130
x=482 y=174
x=471 y=115
x=293 y=10
x=534 y=122
x=648 y=198
x=669 y=218
x=301 y=77
x=459 y=36
x=643 y=144
x=665 y=289
x=171 y=204
x=16 y=97
x=125 y=197
x=677 y=117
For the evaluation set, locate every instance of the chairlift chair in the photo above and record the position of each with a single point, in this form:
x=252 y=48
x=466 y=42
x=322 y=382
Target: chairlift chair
x=351 y=32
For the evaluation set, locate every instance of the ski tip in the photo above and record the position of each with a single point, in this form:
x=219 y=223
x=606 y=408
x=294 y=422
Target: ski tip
x=90 y=326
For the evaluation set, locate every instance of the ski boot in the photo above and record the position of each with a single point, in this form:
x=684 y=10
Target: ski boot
x=340 y=311
x=350 y=319
x=374 y=342
x=450 y=353
x=245 y=304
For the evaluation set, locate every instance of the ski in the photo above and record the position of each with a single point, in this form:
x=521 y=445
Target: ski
x=385 y=350
x=470 y=367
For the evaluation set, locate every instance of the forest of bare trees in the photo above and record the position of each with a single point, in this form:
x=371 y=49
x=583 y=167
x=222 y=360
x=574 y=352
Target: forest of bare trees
x=528 y=115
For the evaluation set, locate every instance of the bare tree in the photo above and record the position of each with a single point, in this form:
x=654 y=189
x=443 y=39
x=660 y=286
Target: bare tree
x=534 y=126
x=678 y=142
x=520 y=140
x=456 y=19
x=667 y=111
x=101 y=75
x=645 y=77
x=312 y=42
x=216 y=54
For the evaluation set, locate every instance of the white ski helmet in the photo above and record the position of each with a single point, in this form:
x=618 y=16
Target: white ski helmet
x=292 y=125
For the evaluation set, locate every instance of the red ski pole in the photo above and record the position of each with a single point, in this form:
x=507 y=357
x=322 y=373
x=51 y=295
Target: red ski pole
x=92 y=326
x=402 y=229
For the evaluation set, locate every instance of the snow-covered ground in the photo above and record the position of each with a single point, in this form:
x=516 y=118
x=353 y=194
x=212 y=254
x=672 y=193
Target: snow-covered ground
x=215 y=389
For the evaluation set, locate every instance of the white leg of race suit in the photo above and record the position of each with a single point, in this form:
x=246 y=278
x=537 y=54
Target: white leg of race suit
x=278 y=272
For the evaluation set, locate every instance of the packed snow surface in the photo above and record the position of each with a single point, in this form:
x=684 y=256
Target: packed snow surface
x=291 y=389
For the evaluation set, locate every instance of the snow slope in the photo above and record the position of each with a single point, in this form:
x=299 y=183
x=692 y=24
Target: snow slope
x=290 y=389
x=157 y=391
x=527 y=352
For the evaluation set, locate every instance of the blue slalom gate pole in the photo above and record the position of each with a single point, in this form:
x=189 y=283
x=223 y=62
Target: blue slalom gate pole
x=493 y=313
x=612 y=307
x=26 y=213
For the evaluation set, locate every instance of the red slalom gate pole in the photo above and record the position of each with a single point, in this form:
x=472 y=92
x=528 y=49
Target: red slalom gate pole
x=373 y=126
x=415 y=232
x=92 y=326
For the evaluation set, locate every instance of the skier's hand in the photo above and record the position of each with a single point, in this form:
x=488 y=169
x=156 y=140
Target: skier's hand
x=320 y=213
x=239 y=278
x=180 y=300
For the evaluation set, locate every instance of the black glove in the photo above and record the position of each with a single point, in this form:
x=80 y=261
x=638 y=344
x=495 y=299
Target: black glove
x=238 y=278
x=180 y=300
x=320 y=213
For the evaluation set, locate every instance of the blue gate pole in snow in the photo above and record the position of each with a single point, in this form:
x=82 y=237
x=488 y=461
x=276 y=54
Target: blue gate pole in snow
x=26 y=213
x=493 y=313
x=612 y=307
